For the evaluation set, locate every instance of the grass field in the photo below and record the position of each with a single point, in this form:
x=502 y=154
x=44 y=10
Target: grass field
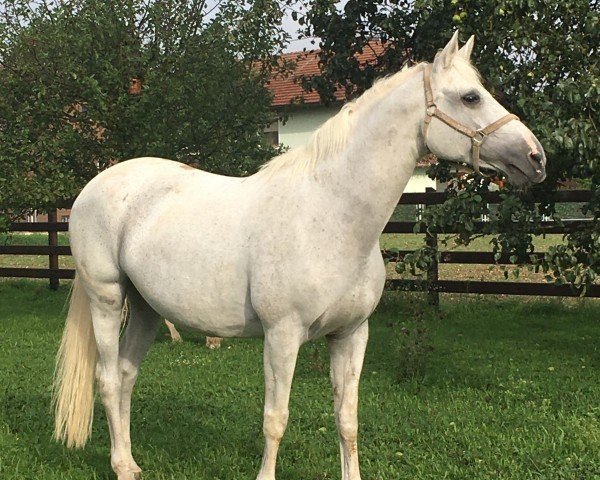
x=496 y=389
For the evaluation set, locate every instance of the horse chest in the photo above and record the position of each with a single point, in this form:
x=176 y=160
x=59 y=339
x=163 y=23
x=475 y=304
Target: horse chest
x=355 y=304
x=337 y=320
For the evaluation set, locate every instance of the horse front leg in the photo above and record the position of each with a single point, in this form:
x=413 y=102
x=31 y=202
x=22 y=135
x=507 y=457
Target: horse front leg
x=347 y=354
x=280 y=354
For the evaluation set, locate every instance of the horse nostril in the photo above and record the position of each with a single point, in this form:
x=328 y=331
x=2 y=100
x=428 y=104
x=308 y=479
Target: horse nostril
x=537 y=157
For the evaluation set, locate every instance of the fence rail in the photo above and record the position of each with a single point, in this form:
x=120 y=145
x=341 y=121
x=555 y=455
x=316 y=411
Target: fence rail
x=505 y=288
x=565 y=226
x=433 y=285
x=49 y=226
x=50 y=273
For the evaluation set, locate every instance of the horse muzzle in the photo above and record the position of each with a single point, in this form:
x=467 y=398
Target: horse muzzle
x=522 y=159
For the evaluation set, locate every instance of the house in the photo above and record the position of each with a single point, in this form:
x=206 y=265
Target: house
x=300 y=113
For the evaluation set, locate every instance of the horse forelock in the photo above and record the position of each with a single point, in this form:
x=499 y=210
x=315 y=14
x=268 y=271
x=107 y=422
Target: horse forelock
x=466 y=70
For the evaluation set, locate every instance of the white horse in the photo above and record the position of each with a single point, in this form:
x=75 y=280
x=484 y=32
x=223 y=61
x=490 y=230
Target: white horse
x=289 y=254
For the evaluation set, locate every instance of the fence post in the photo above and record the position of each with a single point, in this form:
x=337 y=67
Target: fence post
x=433 y=296
x=53 y=241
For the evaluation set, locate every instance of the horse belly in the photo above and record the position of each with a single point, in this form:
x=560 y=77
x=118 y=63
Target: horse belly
x=201 y=293
x=187 y=259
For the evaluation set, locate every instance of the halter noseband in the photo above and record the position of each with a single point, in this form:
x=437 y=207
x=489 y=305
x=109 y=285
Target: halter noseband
x=477 y=136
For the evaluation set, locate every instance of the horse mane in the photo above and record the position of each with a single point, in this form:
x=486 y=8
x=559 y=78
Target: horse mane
x=332 y=137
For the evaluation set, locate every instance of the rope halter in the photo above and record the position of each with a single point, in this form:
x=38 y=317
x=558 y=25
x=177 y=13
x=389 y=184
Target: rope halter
x=477 y=136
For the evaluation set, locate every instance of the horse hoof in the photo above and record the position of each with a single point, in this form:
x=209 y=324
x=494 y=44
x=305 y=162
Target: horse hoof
x=128 y=476
x=213 y=342
x=134 y=473
x=136 y=470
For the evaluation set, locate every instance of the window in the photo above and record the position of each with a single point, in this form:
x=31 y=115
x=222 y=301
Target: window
x=271 y=133
x=32 y=217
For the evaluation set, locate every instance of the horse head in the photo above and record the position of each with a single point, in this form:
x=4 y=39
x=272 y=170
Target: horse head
x=464 y=123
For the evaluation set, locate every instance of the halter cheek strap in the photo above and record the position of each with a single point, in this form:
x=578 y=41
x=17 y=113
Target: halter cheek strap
x=477 y=136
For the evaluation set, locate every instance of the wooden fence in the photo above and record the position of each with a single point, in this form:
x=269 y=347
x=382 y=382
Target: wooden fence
x=433 y=284
x=52 y=250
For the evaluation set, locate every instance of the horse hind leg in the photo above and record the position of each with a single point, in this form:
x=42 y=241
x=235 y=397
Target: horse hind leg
x=139 y=335
x=106 y=306
x=213 y=342
x=173 y=333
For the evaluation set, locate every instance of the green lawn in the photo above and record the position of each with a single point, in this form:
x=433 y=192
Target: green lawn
x=409 y=241
x=496 y=389
x=31 y=238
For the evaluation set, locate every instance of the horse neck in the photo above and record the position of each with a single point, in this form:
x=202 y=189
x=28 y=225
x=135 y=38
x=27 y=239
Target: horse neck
x=369 y=176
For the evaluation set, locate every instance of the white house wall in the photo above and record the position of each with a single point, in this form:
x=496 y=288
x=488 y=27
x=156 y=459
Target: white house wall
x=419 y=181
x=301 y=123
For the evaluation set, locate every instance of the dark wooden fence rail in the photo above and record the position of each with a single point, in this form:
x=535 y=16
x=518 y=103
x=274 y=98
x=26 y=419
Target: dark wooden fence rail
x=434 y=285
x=52 y=250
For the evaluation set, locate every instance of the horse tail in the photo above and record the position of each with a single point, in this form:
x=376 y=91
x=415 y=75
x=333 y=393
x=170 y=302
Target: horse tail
x=73 y=386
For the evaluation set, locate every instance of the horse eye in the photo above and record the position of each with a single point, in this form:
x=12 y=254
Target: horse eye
x=471 y=98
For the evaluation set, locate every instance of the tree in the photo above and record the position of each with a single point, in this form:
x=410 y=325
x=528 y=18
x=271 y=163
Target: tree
x=540 y=60
x=66 y=109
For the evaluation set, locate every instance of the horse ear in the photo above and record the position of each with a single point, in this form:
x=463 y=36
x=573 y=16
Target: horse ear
x=467 y=49
x=446 y=56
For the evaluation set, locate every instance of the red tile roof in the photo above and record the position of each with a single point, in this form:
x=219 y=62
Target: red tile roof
x=288 y=89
